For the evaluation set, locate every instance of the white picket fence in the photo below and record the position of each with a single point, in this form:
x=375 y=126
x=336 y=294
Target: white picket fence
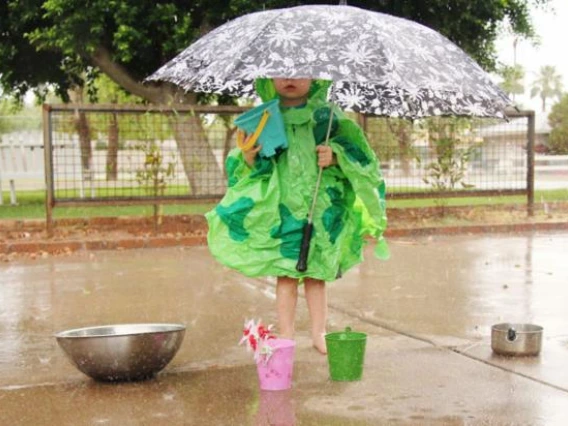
x=21 y=159
x=22 y=163
x=551 y=164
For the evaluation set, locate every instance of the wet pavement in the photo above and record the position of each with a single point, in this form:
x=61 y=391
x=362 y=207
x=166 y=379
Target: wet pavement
x=428 y=313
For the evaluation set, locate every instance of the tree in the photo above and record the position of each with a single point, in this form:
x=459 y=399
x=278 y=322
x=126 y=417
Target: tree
x=54 y=42
x=24 y=66
x=548 y=84
x=106 y=91
x=512 y=82
x=129 y=39
x=558 y=120
x=17 y=117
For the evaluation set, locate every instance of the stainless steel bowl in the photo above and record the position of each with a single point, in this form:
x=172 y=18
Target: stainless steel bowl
x=516 y=339
x=122 y=351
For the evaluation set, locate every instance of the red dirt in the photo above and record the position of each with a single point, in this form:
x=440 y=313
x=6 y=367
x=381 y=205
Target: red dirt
x=29 y=237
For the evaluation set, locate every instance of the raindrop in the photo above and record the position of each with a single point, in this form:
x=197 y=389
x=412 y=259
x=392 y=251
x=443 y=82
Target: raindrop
x=356 y=408
x=160 y=415
x=249 y=285
x=268 y=292
x=44 y=360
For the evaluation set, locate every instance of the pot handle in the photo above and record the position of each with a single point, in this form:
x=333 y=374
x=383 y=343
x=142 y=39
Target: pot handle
x=511 y=335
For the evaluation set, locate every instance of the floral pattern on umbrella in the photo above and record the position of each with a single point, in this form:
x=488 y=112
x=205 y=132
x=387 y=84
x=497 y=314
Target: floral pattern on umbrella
x=380 y=64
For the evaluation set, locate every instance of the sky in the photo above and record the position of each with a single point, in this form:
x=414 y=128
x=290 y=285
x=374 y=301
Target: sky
x=552 y=29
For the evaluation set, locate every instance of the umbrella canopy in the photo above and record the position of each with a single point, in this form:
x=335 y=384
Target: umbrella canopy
x=379 y=64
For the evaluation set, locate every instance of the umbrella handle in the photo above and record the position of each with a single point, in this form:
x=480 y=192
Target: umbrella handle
x=252 y=141
x=302 y=264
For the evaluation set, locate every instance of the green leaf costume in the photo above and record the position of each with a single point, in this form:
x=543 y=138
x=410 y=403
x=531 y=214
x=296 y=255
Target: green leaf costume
x=257 y=227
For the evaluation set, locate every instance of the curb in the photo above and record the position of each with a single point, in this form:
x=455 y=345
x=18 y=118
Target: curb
x=66 y=247
x=477 y=229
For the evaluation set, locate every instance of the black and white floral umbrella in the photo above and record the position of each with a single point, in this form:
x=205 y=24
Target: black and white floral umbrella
x=380 y=64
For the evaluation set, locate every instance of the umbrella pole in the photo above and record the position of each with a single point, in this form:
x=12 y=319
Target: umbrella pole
x=302 y=264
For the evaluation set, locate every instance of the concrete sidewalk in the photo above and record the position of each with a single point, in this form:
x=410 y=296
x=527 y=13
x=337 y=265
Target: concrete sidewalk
x=427 y=312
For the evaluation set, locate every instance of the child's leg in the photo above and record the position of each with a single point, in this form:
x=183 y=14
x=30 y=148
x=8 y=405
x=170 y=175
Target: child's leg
x=286 y=298
x=316 y=297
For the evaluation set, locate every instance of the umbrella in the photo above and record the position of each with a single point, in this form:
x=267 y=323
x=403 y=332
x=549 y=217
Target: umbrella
x=380 y=64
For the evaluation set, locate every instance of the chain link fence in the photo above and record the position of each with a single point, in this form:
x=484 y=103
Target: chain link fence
x=139 y=155
x=449 y=156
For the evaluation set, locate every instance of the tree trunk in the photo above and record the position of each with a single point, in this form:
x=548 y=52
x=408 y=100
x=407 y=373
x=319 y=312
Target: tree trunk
x=405 y=144
x=200 y=165
x=203 y=173
x=84 y=132
x=112 y=152
x=82 y=128
x=401 y=129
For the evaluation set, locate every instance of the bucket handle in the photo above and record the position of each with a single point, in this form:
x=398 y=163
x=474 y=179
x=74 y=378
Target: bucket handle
x=252 y=141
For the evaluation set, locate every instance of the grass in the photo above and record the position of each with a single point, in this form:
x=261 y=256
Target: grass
x=31 y=205
x=552 y=195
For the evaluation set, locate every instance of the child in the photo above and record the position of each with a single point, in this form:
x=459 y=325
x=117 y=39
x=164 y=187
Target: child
x=257 y=227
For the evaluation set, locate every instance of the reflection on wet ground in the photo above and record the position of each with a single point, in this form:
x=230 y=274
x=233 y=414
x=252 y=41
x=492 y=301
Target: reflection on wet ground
x=427 y=313
x=460 y=286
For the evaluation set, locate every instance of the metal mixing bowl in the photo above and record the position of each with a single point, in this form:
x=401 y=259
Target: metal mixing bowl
x=123 y=351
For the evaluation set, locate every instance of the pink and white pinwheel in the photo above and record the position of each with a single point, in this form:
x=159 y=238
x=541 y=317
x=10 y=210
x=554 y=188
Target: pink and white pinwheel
x=255 y=335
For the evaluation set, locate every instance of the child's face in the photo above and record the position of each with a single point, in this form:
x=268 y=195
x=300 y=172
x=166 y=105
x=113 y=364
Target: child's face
x=292 y=91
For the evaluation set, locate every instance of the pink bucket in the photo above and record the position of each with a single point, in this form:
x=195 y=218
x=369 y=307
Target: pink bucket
x=276 y=372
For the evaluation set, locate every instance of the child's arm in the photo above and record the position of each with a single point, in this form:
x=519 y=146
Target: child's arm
x=251 y=154
x=248 y=147
x=245 y=163
x=236 y=167
x=361 y=167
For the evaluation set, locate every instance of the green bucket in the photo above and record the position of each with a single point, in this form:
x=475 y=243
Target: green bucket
x=346 y=355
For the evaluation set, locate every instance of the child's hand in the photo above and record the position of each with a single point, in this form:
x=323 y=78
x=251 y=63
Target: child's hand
x=326 y=157
x=251 y=154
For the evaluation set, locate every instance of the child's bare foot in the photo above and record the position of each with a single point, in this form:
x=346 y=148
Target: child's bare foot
x=318 y=342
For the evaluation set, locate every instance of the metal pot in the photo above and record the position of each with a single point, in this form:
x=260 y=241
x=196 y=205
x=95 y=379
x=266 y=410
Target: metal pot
x=516 y=339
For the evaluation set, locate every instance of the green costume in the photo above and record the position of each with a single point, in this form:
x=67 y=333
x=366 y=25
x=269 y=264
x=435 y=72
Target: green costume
x=257 y=227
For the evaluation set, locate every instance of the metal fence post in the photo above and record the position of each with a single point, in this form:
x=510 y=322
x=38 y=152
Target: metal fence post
x=48 y=161
x=530 y=162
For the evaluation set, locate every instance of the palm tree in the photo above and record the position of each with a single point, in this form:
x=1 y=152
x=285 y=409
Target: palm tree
x=547 y=85
x=513 y=77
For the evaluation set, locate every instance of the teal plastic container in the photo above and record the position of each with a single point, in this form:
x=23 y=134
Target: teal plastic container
x=273 y=135
x=346 y=355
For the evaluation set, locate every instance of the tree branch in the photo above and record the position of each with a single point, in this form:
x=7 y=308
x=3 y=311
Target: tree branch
x=162 y=94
